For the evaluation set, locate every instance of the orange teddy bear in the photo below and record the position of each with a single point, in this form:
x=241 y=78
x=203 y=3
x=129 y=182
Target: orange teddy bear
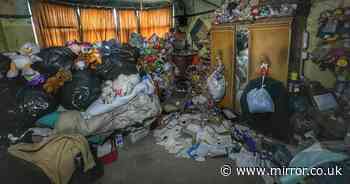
x=55 y=82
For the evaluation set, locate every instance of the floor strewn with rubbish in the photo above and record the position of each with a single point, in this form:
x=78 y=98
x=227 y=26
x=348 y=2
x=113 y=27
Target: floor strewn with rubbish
x=150 y=163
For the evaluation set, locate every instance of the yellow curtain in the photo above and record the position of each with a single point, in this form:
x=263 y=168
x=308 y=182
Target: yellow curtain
x=55 y=24
x=155 y=21
x=97 y=24
x=127 y=24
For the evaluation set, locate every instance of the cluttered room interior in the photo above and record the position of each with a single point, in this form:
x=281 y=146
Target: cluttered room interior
x=175 y=91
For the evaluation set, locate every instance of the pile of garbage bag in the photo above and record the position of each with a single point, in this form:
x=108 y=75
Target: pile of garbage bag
x=90 y=89
x=33 y=103
x=81 y=91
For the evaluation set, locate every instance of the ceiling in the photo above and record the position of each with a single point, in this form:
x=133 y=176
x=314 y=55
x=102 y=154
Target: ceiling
x=117 y=3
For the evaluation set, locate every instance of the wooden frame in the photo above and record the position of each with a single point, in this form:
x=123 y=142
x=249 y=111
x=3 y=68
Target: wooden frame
x=222 y=43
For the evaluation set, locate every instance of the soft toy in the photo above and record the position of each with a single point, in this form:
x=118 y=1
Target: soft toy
x=74 y=46
x=255 y=11
x=23 y=61
x=108 y=93
x=90 y=55
x=54 y=83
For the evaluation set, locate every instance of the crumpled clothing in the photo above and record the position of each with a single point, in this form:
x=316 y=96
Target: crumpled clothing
x=56 y=155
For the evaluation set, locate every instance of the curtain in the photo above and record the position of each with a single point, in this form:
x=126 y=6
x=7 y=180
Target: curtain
x=155 y=21
x=127 y=24
x=97 y=24
x=55 y=24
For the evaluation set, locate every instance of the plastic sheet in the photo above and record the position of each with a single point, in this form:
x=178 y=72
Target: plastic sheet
x=80 y=92
x=311 y=157
x=34 y=103
x=53 y=59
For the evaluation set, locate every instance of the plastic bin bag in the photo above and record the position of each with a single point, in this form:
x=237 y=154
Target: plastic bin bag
x=98 y=107
x=4 y=64
x=124 y=84
x=116 y=59
x=53 y=59
x=33 y=103
x=113 y=65
x=216 y=84
x=80 y=92
x=260 y=101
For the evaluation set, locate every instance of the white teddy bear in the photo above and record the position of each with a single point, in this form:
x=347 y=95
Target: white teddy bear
x=108 y=93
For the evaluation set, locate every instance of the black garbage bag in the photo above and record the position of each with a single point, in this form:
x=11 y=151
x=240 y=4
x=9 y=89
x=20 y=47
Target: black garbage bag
x=54 y=58
x=81 y=91
x=4 y=64
x=33 y=103
x=116 y=61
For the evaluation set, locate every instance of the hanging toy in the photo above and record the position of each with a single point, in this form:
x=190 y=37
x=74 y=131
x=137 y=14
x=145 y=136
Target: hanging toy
x=264 y=69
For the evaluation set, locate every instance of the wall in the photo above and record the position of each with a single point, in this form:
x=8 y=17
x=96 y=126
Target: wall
x=14 y=31
x=199 y=6
x=311 y=70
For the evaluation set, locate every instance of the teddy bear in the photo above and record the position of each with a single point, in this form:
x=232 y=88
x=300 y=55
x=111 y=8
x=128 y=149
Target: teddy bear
x=23 y=61
x=89 y=55
x=53 y=83
x=108 y=92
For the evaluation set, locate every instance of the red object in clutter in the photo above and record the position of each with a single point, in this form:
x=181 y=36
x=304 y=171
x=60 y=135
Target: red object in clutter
x=264 y=69
x=157 y=46
x=150 y=59
x=195 y=59
x=110 y=157
x=255 y=11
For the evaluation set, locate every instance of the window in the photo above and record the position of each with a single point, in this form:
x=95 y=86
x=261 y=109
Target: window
x=97 y=24
x=155 y=21
x=127 y=24
x=56 y=23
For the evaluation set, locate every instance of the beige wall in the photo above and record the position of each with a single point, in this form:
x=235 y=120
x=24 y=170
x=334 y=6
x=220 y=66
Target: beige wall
x=14 y=32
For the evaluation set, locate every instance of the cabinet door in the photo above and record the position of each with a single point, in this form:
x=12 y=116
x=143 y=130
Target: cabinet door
x=223 y=41
x=272 y=40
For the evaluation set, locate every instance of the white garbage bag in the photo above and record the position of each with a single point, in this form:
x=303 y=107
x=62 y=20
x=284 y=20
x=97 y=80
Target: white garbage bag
x=259 y=100
x=99 y=107
x=216 y=83
x=124 y=84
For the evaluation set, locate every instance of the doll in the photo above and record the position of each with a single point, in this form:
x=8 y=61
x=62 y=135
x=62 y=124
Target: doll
x=23 y=61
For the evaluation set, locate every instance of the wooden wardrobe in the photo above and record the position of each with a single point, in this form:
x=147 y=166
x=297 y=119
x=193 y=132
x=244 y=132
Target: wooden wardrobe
x=271 y=38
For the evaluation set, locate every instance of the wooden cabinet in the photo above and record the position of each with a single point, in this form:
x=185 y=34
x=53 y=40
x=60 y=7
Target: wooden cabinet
x=269 y=38
x=223 y=43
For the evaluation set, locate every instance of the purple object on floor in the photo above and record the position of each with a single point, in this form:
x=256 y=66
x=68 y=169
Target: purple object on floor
x=38 y=80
